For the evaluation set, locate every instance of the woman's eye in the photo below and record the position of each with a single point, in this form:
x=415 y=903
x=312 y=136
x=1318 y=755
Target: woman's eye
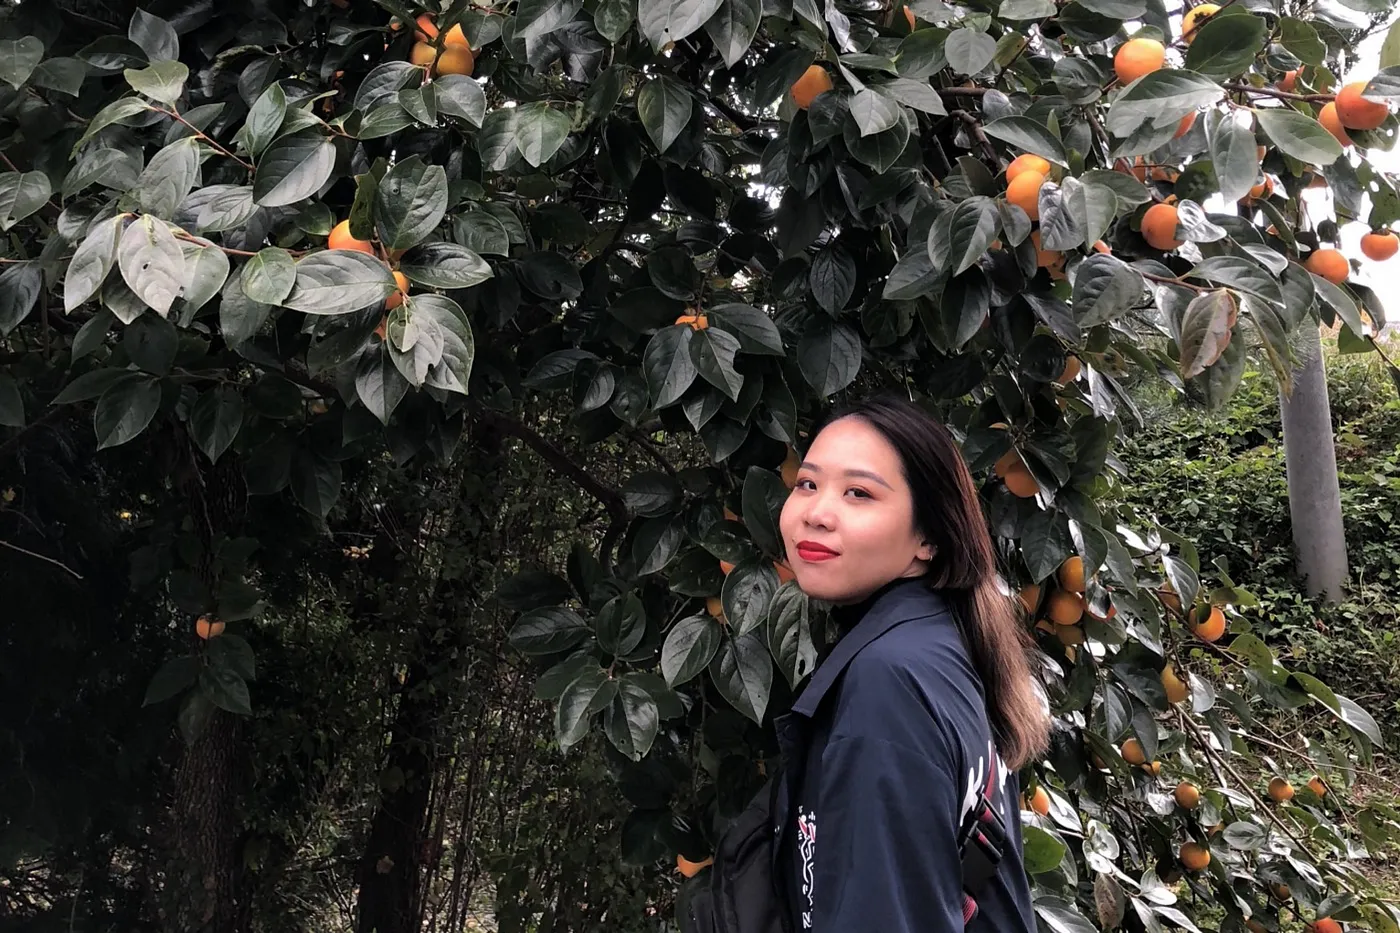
x=858 y=493
x=805 y=484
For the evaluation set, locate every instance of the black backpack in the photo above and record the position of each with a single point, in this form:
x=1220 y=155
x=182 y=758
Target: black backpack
x=744 y=896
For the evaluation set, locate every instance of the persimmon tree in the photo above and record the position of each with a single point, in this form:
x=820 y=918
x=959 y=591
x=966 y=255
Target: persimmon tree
x=296 y=238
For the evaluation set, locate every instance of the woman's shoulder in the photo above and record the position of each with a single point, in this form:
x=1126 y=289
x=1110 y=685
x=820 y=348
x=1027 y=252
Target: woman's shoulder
x=916 y=679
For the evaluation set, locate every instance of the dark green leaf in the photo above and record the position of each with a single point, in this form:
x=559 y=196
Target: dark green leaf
x=1240 y=274
x=829 y=356
x=20 y=286
x=339 y=281
x=972 y=227
x=460 y=96
x=969 y=50
x=215 y=420
x=173 y=677
x=1226 y=45
x=269 y=276
x=668 y=364
x=1104 y=289
x=152 y=263
x=1161 y=99
x=743 y=672
x=125 y=409
x=21 y=194
x=162 y=80
x=537 y=18
x=663 y=21
x=1030 y=135
x=410 y=202
x=11 y=402
x=18 y=58
x=1298 y=136
x=293 y=169
x=733 y=28
x=664 y=106
x=632 y=720
x=540 y=131
x=155 y=36
x=1234 y=154
x=265 y=119
x=713 y=353
x=447 y=265
x=548 y=631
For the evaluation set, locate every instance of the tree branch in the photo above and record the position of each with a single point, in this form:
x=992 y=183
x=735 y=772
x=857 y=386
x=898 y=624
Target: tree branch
x=559 y=460
x=974 y=126
x=1281 y=95
x=48 y=560
x=1263 y=804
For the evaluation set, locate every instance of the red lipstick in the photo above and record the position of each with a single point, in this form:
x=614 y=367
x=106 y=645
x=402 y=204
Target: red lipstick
x=813 y=552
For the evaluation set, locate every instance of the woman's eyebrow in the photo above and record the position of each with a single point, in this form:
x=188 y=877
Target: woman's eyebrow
x=850 y=474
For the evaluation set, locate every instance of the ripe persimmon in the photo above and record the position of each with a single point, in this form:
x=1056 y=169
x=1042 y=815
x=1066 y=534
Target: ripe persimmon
x=814 y=81
x=1355 y=111
x=1039 y=802
x=1065 y=608
x=1138 y=57
x=1332 y=123
x=1182 y=128
x=1159 y=227
x=1289 y=81
x=689 y=869
x=1026 y=163
x=1176 y=688
x=696 y=321
x=208 y=628
x=1132 y=752
x=1212 y=628
x=1195 y=18
x=1071 y=573
x=396 y=299
x=340 y=238
x=1380 y=246
x=1194 y=856
x=1024 y=192
x=1330 y=264
x=1188 y=795
x=1280 y=791
x=1070 y=373
x=1019 y=480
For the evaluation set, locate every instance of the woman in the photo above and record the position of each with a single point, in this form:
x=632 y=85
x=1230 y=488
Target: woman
x=929 y=685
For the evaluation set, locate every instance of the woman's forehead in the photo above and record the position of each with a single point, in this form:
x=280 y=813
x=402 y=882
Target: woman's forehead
x=851 y=444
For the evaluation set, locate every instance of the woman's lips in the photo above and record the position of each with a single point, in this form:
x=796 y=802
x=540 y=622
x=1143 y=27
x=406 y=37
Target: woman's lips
x=813 y=553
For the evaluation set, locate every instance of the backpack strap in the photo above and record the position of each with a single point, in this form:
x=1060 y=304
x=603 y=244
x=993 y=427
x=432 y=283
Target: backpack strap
x=982 y=840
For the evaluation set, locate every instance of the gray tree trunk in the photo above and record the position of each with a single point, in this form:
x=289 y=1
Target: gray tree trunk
x=1314 y=497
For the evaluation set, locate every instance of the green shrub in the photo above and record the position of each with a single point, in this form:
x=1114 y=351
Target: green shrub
x=1220 y=480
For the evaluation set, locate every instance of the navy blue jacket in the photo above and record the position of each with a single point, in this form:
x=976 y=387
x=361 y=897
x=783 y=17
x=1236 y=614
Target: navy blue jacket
x=896 y=740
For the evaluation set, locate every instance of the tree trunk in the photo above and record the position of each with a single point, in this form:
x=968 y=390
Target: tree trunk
x=1314 y=496
x=205 y=883
x=390 y=876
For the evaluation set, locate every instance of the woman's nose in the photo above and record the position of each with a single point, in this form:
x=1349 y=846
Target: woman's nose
x=819 y=512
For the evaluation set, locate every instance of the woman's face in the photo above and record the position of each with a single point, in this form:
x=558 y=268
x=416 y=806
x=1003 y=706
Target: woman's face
x=848 y=524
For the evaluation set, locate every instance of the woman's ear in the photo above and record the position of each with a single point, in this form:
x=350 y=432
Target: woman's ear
x=925 y=552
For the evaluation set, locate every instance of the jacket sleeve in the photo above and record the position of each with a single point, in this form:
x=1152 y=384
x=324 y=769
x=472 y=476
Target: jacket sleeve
x=886 y=854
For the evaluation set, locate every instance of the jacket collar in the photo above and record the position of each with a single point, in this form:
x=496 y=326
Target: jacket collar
x=899 y=601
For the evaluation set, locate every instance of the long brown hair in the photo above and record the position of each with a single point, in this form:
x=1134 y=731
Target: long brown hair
x=948 y=514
